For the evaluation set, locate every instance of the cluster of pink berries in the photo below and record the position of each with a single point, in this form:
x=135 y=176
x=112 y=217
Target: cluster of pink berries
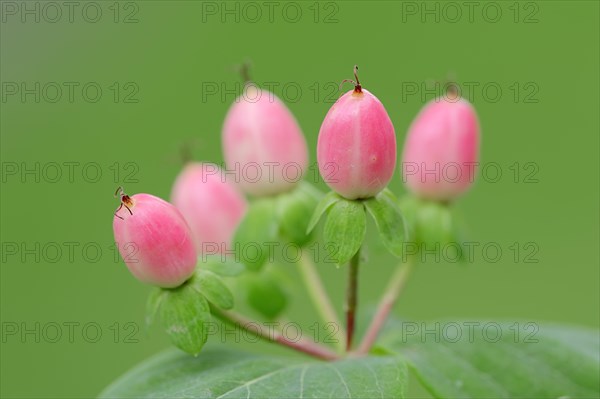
x=357 y=137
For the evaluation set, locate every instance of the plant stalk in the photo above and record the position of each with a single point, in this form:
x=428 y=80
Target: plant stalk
x=351 y=298
x=319 y=296
x=271 y=335
x=386 y=304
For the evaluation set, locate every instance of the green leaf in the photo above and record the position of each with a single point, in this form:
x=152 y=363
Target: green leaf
x=552 y=362
x=221 y=265
x=186 y=317
x=227 y=374
x=345 y=229
x=265 y=294
x=328 y=200
x=255 y=232
x=212 y=287
x=294 y=212
x=388 y=218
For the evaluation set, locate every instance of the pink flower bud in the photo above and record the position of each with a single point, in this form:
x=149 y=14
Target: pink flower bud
x=356 y=150
x=212 y=206
x=154 y=240
x=442 y=147
x=263 y=143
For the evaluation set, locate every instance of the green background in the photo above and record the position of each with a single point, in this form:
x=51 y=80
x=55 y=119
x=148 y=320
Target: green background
x=171 y=54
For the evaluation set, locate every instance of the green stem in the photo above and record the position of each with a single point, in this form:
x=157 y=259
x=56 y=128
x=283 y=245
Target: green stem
x=319 y=296
x=301 y=345
x=386 y=304
x=351 y=298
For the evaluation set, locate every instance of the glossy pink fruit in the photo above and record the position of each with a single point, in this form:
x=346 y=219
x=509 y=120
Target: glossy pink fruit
x=154 y=241
x=263 y=143
x=442 y=149
x=356 y=150
x=212 y=206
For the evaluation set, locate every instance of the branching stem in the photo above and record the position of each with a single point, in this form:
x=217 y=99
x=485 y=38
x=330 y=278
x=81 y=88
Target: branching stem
x=386 y=304
x=319 y=296
x=271 y=335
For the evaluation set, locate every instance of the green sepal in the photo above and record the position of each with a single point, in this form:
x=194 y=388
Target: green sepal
x=389 y=221
x=326 y=202
x=344 y=229
x=212 y=287
x=258 y=228
x=265 y=294
x=294 y=211
x=153 y=305
x=433 y=226
x=186 y=318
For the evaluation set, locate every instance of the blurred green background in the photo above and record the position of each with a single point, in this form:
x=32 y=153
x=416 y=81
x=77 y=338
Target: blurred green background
x=154 y=60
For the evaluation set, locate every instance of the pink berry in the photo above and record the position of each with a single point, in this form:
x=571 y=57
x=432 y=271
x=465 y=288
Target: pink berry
x=154 y=240
x=442 y=149
x=212 y=206
x=263 y=143
x=356 y=150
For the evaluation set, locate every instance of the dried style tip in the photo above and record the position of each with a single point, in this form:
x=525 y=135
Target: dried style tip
x=245 y=72
x=355 y=82
x=125 y=201
x=452 y=90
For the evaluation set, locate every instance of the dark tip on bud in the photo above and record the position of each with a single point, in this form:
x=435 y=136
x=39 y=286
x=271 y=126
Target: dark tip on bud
x=125 y=200
x=452 y=90
x=245 y=72
x=355 y=82
x=357 y=86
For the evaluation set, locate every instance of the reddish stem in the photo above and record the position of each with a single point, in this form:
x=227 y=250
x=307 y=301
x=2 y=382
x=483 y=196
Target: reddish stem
x=386 y=305
x=351 y=298
x=302 y=345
